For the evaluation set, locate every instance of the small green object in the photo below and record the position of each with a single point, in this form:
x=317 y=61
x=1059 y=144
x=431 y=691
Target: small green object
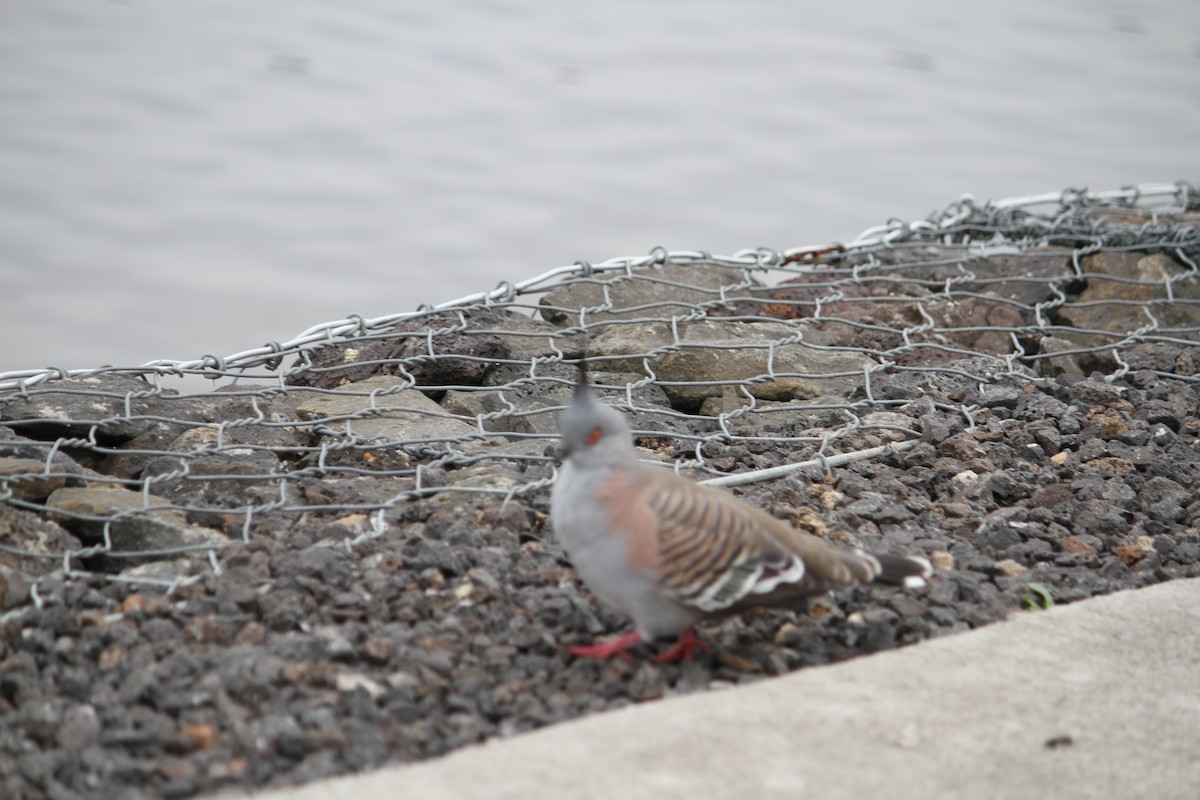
x=1036 y=597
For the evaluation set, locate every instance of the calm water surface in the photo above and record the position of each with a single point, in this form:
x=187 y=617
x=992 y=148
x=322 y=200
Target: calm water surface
x=206 y=175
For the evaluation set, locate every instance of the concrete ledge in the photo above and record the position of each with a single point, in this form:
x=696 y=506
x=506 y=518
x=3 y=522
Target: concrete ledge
x=1096 y=699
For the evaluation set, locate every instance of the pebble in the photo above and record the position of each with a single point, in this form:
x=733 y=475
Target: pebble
x=1010 y=568
x=1133 y=552
x=942 y=560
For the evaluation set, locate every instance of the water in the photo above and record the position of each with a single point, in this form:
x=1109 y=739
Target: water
x=203 y=176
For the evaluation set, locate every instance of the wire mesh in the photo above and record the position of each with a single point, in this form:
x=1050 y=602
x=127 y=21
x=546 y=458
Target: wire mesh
x=111 y=471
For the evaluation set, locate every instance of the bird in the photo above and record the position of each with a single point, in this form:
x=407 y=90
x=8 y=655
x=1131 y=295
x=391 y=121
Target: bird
x=667 y=552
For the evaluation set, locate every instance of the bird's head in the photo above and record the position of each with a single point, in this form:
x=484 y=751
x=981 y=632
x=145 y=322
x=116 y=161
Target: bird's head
x=593 y=434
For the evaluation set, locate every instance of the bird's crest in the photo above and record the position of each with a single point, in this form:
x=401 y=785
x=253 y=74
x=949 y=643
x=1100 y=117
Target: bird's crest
x=583 y=387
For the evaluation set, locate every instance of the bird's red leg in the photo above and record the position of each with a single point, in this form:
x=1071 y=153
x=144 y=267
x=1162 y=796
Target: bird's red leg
x=617 y=646
x=684 y=646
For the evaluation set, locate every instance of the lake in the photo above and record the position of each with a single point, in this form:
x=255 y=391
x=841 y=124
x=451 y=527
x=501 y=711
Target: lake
x=201 y=177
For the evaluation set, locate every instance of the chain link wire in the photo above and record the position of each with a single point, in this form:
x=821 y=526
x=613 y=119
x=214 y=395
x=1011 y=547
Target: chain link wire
x=462 y=397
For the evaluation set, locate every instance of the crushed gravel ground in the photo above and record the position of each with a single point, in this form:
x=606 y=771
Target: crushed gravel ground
x=318 y=651
x=304 y=659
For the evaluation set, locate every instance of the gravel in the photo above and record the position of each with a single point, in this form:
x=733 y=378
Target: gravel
x=324 y=646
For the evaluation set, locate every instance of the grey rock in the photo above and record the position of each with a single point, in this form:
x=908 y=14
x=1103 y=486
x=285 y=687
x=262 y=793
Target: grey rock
x=232 y=417
x=1164 y=499
x=650 y=293
x=996 y=397
x=710 y=354
x=1047 y=437
x=37 y=543
x=227 y=479
x=28 y=479
x=434 y=349
x=80 y=728
x=1058 y=357
x=1022 y=276
x=507 y=412
x=527 y=338
x=373 y=409
x=878 y=508
x=1101 y=519
x=134 y=522
x=24 y=469
x=73 y=407
x=532 y=408
x=1118 y=492
x=14 y=588
x=1168 y=412
x=938 y=427
x=444 y=349
x=1111 y=302
x=1097 y=393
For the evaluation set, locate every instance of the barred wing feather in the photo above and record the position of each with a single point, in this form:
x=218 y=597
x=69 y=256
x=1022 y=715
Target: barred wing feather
x=712 y=550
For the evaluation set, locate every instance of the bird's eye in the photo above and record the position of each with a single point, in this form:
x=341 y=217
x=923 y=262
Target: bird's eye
x=594 y=435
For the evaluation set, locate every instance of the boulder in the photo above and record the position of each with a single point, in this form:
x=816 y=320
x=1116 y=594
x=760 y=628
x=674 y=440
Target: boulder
x=656 y=292
x=715 y=353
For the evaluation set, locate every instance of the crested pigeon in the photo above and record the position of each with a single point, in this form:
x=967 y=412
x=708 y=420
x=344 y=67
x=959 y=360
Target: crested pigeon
x=667 y=552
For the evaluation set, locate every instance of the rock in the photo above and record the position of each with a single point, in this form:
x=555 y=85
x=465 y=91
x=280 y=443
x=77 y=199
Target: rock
x=1077 y=545
x=938 y=427
x=878 y=508
x=436 y=350
x=1047 y=438
x=36 y=544
x=221 y=420
x=1058 y=357
x=1022 y=276
x=1099 y=518
x=711 y=354
x=24 y=470
x=651 y=293
x=1171 y=412
x=1097 y=393
x=1010 y=568
x=1040 y=407
x=352 y=682
x=527 y=338
x=1053 y=495
x=14 y=588
x=995 y=397
x=73 y=407
x=1132 y=552
x=28 y=479
x=532 y=408
x=852 y=314
x=373 y=409
x=80 y=728
x=942 y=560
x=966 y=478
x=1164 y=499
x=134 y=524
x=1118 y=283
x=1118 y=492
x=880 y=427
x=228 y=479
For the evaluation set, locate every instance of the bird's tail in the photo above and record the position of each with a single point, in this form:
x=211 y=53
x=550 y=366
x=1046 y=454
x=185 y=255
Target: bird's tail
x=910 y=572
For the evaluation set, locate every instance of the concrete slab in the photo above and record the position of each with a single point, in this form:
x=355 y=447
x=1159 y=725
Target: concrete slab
x=1096 y=699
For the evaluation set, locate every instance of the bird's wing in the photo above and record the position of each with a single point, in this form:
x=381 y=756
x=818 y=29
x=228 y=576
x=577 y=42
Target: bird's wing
x=716 y=552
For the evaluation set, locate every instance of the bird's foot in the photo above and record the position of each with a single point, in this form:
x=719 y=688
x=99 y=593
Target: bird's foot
x=613 y=647
x=684 y=646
